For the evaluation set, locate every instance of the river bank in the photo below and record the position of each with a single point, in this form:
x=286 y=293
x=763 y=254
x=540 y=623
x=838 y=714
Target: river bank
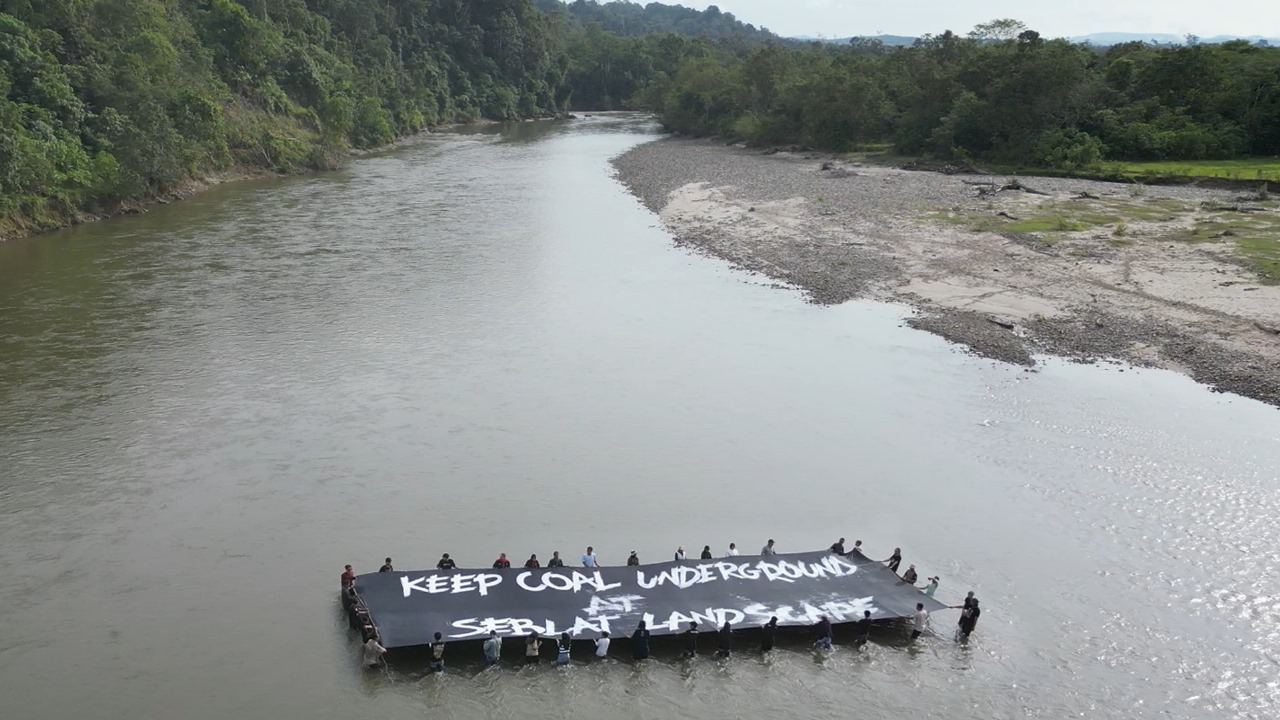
x=1175 y=277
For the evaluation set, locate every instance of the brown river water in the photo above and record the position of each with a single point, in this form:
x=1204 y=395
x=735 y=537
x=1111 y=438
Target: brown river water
x=480 y=342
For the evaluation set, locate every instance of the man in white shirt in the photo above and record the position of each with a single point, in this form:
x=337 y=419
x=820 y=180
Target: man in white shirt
x=373 y=652
x=589 y=559
x=921 y=621
x=733 y=551
x=602 y=645
x=492 y=649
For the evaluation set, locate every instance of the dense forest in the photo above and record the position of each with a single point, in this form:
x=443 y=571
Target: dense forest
x=1002 y=93
x=104 y=102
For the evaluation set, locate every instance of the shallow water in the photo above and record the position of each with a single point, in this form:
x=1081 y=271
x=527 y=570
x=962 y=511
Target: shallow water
x=481 y=343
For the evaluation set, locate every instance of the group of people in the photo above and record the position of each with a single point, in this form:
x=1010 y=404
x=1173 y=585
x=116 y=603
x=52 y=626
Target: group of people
x=373 y=650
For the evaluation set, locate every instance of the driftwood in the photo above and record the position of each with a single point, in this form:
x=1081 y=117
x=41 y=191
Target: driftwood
x=1017 y=185
x=1086 y=196
x=1006 y=215
x=1234 y=208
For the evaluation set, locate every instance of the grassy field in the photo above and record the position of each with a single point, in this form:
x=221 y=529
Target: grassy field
x=1246 y=170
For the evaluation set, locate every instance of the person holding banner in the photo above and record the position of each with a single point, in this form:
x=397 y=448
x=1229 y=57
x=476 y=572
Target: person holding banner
x=640 y=642
x=437 y=654
x=602 y=645
x=589 y=558
x=492 y=649
x=563 y=649
x=373 y=652
x=706 y=552
x=532 y=563
x=824 y=634
x=446 y=563
x=679 y=553
x=726 y=641
x=633 y=559
x=768 y=634
x=733 y=551
x=690 y=636
x=532 y=647
x=862 y=629
x=768 y=549
x=555 y=560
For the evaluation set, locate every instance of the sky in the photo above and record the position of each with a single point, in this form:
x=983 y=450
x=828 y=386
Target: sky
x=1052 y=18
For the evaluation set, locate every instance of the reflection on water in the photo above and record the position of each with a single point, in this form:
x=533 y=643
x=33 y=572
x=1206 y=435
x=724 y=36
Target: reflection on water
x=477 y=343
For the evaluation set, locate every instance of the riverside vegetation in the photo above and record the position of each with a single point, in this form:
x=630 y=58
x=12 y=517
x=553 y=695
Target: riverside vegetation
x=107 y=102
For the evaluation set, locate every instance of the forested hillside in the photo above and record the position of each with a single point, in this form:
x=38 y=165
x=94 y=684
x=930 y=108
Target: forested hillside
x=1002 y=93
x=106 y=100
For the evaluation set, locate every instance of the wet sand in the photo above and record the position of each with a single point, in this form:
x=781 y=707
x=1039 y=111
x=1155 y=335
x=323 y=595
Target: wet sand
x=1154 y=276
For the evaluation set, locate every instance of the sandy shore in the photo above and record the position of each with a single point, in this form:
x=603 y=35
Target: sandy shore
x=1174 y=277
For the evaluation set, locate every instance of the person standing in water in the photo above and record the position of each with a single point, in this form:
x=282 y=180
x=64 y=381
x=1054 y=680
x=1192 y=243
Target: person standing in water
x=824 y=634
x=532 y=646
x=862 y=629
x=492 y=649
x=857 y=547
x=768 y=634
x=373 y=652
x=437 y=654
x=932 y=586
x=969 y=619
x=768 y=549
x=633 y=559
x=502 y=561
x=386 y=566
x=640 y=642
x=690 y=637
x=910 y=577
x=555 y=560
x=706 y=553
x=920 y=621
x=446 y=563
x=348 y=578
x=837 y=547
x=679 y=553
x=894 y=560
x=602 y=645
x=589 y=558
x=532 y=563
x=563 y=649
x=726 y=641
x=733 y=551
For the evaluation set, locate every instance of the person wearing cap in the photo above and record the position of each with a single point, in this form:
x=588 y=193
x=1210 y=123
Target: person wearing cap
x=446 y=563
x=690 y=636
x=706 y=552
x=633 y=559
x=932 y=586
x=679 y=553
x=910 y=577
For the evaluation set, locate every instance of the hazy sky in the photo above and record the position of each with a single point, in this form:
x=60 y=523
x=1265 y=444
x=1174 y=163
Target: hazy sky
x=838 y=18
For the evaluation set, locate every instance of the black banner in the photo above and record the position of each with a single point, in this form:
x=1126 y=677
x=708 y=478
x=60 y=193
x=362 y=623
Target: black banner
x=799 y=588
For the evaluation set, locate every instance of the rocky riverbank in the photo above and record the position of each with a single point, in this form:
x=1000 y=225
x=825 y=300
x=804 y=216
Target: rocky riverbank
x=1175 y=277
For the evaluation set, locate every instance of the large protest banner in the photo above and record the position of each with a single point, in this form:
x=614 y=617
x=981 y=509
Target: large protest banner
x=410 y=607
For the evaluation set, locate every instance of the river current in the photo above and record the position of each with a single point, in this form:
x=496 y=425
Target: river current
x=479 y=342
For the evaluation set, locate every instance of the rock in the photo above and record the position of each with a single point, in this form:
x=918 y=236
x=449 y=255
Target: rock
x=1267 y=328
x=1006 y=324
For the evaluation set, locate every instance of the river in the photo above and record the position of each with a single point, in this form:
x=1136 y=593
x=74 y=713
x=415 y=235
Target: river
x=480 y=342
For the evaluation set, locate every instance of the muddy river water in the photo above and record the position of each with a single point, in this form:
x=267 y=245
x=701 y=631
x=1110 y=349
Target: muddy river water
x=480 y=342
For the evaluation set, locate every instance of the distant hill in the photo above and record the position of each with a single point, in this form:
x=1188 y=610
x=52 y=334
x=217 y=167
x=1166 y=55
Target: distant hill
x=1102 y=39
x=621 y=17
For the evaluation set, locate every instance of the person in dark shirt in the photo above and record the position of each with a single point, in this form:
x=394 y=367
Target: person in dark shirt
x=837 y=547
x=555 y=560
x=348 y=577
x=532 y=562
x=690 y=636
x=563 y=648
x=824 y=634
x=502 y=561
x=386 y=567
x=969 y=619
x=726 y=641
x=633 y=559
x=894 y=560
x=862 y=629
x=437 y=654
x=446 y=563
x=640 y=642
x=532 y=646
x=706 y=552
x=769 y=634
